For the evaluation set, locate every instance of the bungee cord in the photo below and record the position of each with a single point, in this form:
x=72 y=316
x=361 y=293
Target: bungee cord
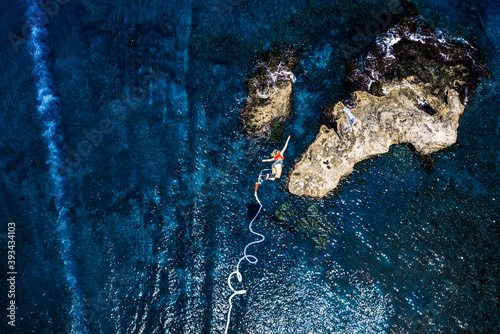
x=250 y=258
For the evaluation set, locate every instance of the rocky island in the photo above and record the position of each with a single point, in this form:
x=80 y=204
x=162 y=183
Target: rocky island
x=270 y=90
x=411 y=89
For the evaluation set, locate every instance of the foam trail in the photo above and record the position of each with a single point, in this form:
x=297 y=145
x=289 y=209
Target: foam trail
x=48 y=112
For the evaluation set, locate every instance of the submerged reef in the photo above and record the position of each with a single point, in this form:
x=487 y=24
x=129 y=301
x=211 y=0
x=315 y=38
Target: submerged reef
x=270 y=90
x=411 y=89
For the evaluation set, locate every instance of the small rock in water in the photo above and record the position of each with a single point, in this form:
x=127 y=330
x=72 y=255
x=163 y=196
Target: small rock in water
x=269 y=103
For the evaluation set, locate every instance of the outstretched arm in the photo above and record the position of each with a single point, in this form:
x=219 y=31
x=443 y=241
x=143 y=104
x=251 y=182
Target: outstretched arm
x=286 y=145
x=267 y=160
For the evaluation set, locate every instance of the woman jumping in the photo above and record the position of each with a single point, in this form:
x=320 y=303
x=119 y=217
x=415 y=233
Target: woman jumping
x=278 y=162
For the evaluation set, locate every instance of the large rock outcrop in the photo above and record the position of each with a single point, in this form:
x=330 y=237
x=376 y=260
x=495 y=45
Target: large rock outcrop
x=269 y=103
x=411 y=89
x=379 y=123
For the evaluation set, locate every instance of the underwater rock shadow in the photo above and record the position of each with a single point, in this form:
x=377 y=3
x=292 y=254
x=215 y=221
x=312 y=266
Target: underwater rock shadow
x=253 y=208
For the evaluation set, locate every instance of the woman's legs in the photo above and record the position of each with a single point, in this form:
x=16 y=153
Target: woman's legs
x=271 y=176
x=277 y=170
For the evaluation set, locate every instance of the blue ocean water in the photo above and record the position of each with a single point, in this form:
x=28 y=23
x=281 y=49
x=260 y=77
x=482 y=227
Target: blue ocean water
x=126 y=171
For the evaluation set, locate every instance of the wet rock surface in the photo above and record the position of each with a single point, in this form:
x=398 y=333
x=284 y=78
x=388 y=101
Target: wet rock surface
x=269 y=103
x=413 y=48
x=411 y=89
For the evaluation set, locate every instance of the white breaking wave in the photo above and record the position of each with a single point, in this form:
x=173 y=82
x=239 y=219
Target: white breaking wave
x=280 y=74
x=393 y=36
x=48 y=112
x=387 y=40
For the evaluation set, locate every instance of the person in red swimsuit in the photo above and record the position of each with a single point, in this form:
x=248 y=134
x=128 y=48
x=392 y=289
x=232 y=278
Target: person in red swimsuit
x=278 y=162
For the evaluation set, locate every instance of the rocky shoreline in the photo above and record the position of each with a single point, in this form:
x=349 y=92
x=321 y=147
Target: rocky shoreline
x=411 y=89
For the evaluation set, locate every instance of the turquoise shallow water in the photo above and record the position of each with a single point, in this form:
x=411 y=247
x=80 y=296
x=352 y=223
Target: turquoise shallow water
x=159 y=198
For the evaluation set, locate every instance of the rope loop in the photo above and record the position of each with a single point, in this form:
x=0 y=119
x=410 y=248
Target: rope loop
x=249 y=258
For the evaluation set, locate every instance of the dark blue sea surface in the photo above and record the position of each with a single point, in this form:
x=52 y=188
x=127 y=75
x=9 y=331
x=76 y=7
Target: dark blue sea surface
x=126 y=171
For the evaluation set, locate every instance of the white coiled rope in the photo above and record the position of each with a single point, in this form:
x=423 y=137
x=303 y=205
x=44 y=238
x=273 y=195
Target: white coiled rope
x=250 y=258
